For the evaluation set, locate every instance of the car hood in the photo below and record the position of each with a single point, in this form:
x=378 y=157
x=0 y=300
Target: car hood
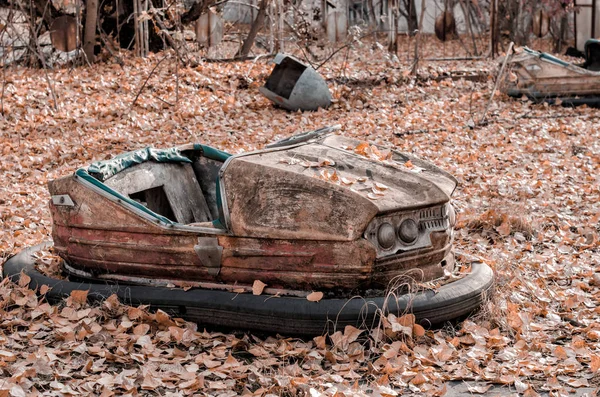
x=408 y=182
x=327 y=189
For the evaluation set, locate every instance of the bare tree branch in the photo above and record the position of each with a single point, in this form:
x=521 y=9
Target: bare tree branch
x=256 y=25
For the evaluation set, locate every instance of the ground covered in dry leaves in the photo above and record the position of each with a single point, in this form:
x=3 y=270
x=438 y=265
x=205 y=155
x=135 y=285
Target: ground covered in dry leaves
x=529 y=205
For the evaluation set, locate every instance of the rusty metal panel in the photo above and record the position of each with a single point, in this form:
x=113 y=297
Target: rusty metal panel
x=273 y=200
x=91 y=209
x=296 y=264
x=420 y=265
x=210 y=252
x=122 y=242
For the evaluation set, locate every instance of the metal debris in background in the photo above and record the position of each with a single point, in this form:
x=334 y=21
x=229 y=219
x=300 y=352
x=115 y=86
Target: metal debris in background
x=14 y=35
x=293 y=85
x=63 y=33
x=209 y=29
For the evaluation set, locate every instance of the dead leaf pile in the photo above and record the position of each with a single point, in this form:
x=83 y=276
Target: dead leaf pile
x=528 y=202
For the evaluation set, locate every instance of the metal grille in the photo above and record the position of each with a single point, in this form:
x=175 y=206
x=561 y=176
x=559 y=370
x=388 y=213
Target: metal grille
x=433 y=219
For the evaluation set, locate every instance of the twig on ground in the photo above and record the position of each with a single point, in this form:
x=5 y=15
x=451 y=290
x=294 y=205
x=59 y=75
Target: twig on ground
x=341 y=48
x=557 y=116
x=248 y=58
x=500 y=74
x=3 y=83
x=421 y=131
x=572 y=321
x=146 y=82
x=163 y=100
x=247 y=76
x=453 y=59
x=176 y=81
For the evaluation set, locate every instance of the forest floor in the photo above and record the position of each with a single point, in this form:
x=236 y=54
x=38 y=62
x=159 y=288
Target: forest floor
x=528 y=202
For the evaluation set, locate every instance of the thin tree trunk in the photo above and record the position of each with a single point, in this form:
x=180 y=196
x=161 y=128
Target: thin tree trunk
x=89 y=37
x=256 y=25
x=145 y=32
x=393 y=26
x=521 y=31
x=136 y=28
x=272 y=33
x=467 y=16
x=280 y=32
x=410 y=13
x=372 y=16
x=561 y=34
x=418 y=38
x=494 y=28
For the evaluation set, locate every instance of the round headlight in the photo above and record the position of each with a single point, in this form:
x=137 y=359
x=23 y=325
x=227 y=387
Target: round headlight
x=451 y=214
x=408 y=231
x=386 y=236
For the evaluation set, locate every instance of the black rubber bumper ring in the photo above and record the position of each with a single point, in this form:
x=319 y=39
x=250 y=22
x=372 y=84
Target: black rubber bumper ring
x=285 y=315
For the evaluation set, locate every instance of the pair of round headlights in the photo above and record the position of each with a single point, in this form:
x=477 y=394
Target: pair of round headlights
x=407 y=232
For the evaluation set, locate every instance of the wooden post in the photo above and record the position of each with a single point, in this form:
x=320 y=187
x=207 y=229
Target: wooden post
x=89 y=37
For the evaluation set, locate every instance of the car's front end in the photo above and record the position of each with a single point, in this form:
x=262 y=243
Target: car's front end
x=390 y=211
x=413 y=244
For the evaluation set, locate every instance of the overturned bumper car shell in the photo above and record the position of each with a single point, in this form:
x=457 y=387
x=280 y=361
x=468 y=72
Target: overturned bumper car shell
x=545 y=78
x=314 y=212
x=293 y=85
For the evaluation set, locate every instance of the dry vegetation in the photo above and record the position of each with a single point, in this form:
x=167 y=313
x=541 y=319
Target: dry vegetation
x=529 y=205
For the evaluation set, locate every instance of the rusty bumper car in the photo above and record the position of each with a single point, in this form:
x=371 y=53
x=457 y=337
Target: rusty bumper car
x=545 y=78
x=315 y=212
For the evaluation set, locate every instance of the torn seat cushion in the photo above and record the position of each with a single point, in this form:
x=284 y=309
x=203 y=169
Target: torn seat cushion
x=102 y=170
